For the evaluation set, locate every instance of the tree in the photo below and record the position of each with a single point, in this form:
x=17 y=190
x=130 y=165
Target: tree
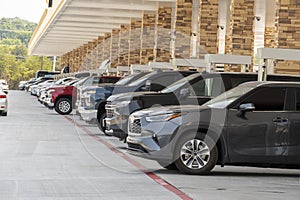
x=15 y=64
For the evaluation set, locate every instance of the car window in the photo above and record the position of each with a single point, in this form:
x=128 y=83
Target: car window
x=161 y=82
x=203 y=87
x=109 y=80
x=141 y=80
x=180 y=83
x=298 y=99
x=268 y=99
x=235 y=81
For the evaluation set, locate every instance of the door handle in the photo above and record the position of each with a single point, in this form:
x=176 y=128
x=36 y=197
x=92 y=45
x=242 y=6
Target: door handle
x=280 y=120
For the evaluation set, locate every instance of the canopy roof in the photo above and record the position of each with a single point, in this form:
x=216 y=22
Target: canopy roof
x=69 y=24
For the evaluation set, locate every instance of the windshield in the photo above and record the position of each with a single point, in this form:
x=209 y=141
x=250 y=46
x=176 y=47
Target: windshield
x=141 y=80
x=228 y=97
x=125 y=80
x=180 y=83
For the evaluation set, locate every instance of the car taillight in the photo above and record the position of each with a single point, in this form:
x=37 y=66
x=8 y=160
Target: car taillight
x=2 y=96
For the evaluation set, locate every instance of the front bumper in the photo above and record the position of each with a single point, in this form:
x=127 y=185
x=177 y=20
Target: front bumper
x=148 y=147
x=152 y=140
x=87 y=115
x=48 y=102
x=117 y=126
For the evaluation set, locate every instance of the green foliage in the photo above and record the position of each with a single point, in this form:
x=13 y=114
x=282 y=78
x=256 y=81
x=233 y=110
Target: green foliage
x=15 y=64
x=16 y=29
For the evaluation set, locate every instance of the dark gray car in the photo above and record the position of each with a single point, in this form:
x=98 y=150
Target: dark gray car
x=254 y=124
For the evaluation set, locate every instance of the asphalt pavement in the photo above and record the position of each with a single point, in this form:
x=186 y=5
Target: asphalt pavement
x=48 y=156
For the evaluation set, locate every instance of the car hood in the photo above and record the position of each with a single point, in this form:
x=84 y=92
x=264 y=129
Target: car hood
x=59 y=87
x=129 y=96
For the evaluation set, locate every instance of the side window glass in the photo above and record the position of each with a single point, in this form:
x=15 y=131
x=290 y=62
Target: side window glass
x=202 y=87
x=268 y=99
x=162 y=82
x=88 y=81
x=96 y=80
x=235 y=81
x=298 y=100
x=218 y=87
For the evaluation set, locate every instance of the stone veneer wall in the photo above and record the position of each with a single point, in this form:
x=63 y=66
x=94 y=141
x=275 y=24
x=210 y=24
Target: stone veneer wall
x=114 y=54
x=269 y=37
x=208 y=26
x=93 y=54
x=135 y=41
x=99 y=51
x=163 y=28
x=123 y=57
x=240 y=35
x=148 y=38
x=183 y=28
x=287 y=33
x=107 y=46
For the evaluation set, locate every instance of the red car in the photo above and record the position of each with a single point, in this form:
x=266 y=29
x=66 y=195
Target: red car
x=63 y=97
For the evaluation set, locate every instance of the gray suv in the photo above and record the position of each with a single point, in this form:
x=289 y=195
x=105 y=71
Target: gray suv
x=254 y=124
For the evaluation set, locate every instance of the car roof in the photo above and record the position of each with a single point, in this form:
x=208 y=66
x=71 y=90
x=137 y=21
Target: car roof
x=270 y=84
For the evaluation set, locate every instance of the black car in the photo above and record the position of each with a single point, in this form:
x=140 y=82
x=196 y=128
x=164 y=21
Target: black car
x=90 y=97
x=154 y=81
x=254 y=124
x=192 y=90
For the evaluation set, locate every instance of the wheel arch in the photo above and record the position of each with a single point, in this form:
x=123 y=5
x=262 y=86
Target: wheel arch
x=101 y=108
x=219 y=138
x=63 y=96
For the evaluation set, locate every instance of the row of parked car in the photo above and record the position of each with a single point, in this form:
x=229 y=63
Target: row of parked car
x=190 y=121
x=3 y=97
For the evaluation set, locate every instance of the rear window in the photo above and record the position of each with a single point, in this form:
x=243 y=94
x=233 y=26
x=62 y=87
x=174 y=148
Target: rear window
x=109 y=79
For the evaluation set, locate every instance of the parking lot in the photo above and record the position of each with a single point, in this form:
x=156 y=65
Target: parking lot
x=49 y=156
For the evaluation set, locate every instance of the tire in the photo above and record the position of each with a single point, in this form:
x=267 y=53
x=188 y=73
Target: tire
x=4 y=114
x=190 y=160
x=101 y=122
x=63 y=106
x=169 y=166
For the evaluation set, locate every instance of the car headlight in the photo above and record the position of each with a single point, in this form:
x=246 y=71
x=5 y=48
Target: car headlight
x=163 y=117
x=90 y=92
x=122 y=104
x=50 y=91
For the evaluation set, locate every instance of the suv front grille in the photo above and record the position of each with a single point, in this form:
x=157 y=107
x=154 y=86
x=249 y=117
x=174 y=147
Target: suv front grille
x=109 y=110
x=135 y=126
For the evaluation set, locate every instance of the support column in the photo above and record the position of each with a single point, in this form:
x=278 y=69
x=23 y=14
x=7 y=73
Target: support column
x=93 y=46
x=148 y=35
x=208 y=27
x=115 y=48
x=287 y=33
x=107 y=46
x=240 y=35
x=135 y=41
x=124 y=45
x=183 y=29
x=100 y=52
x=269 y=37
x=162 y=38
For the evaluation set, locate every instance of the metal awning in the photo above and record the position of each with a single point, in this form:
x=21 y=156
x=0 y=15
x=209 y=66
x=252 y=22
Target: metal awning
x=70 y=24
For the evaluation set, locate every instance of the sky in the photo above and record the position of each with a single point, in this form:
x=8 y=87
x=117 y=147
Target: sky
x=30 y=10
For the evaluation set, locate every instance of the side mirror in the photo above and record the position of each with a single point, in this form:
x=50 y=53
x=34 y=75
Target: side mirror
x=184 y=93
x=247 y=107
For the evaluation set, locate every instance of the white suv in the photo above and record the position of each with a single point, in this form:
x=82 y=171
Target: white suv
x=3 y=103
x=4 y=85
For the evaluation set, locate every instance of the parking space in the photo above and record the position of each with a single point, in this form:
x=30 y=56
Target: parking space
x=48 y=156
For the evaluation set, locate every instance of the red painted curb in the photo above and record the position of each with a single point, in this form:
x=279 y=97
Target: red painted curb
x=151 y=175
